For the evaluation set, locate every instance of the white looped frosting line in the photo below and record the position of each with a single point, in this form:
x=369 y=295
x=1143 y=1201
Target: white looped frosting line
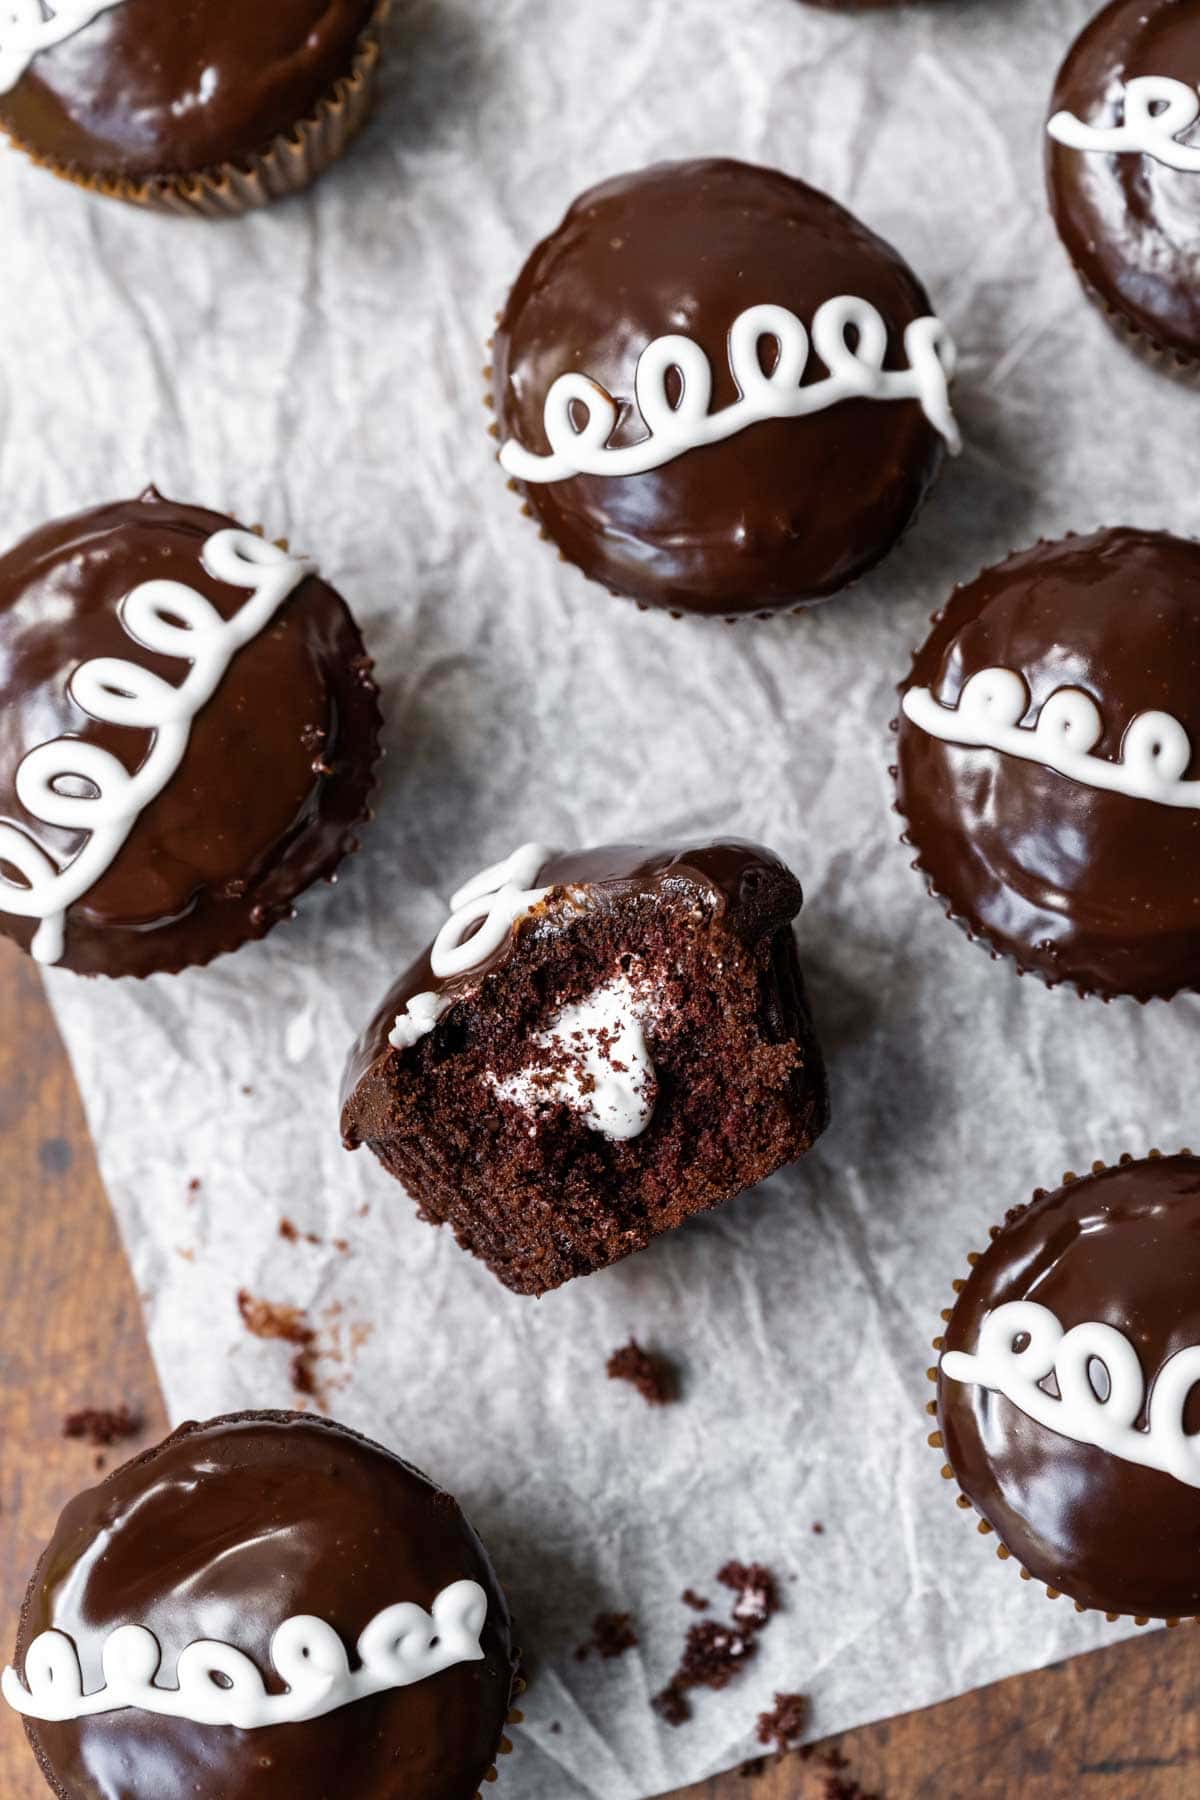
x=1080 y=1414
x=493 y=902
x=673 y=430
x=1144 y=132
x=27 y=27
x=1155 y=751
x=402 y=1645
x=172 y=620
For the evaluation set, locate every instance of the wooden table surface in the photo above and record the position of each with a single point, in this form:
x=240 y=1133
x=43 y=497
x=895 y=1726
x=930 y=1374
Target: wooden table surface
x=1122 y=1723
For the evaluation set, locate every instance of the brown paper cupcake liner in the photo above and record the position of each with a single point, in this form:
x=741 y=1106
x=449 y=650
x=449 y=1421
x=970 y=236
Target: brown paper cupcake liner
x=936 y=1442
x=777 y=612
x=974 y=933
x=1148 y=350
x=287 y=165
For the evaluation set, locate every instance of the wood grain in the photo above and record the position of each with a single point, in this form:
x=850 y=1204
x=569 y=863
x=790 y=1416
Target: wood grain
x=1122 y=1723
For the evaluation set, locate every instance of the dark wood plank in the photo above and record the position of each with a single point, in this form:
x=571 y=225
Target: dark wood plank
x=1122 y=1723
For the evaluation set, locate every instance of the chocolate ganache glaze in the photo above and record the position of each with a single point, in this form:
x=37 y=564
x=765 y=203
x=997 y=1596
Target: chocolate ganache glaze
x=1057 y=814
x=278 y=761
x=1129 y=220
x=784 y=511
x=1119 y=1249
x=222 y=1533
x=150 y=89
x=754 y=890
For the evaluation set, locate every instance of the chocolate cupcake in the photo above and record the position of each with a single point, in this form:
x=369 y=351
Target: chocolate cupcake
x=595 y=1047
x=1047 y=764
x=188 y=729
x=1064 y=1393
x=266 y=1607
x=1123 y=166
x=212 y=108
x=718 y=392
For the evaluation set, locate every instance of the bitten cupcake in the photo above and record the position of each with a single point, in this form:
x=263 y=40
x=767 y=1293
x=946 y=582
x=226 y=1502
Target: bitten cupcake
x=1123 y=165
x=718 y=392
x=266 y=1607
x=595 y=1047
x=1065 y=1406
x=210 y=108
x=188 y=731
x=1047 y=766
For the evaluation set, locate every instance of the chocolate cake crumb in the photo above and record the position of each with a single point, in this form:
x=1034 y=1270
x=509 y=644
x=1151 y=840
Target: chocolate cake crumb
x=818 y=1528
x=102 y=1426
x=613 y=1633
x=783 y=1727
x=267 y=1319
x=672 y=1705
x=757 y=1595
x=653 y=1377
x=714 y=1653
x=696 y=1601
x=292 y=1234
x=837 y=1785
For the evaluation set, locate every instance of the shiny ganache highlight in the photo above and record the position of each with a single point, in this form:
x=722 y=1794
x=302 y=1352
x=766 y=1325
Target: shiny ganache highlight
x=597 y=1045
x=1123 y=167
x=705 y=456
x=1048 y=756
x=144 y=89
x=187 y=735
x=239 y=1537
x=1065 y=1396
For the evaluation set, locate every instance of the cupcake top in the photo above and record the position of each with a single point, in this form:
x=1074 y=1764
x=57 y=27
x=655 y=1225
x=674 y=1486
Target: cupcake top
x=264 y=1606
x=545 y=892
x=187 y=734
x=1047 y=761
x=1123 y=164
x=718 y=391
x=1065 y=1389
x=136 y=88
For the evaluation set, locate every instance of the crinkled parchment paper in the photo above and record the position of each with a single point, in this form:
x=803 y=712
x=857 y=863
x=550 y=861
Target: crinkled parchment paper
x=318 y=369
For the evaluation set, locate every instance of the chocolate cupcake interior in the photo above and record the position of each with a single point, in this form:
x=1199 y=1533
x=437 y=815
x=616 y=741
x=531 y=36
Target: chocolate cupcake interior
x=673 y=978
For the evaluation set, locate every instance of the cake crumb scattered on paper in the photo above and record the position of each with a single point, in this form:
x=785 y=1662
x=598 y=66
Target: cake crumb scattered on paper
x=613 y=1633
x=653 y=1377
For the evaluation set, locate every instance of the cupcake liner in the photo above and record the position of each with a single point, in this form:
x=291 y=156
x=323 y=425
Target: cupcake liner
x=936 y=1441
x=291 y=162
x=974 y=933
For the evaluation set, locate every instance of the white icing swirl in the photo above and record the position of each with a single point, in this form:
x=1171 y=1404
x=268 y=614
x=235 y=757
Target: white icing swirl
x=493 y=902
x=673 y=430
x=1079 y=1413
x=174 y=621
x=1144 y=131
x=1155 y=751
x=402 y=1645
x=600 y=1066
x=27 y=28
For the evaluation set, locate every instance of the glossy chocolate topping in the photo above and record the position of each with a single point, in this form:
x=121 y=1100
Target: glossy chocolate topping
x=223 y=1532
x=1078 y=884
x=1130 y=224
x=153 y=89
x=789 y=510
x=753 y=890
x=1120 y=1248
x=279 y=762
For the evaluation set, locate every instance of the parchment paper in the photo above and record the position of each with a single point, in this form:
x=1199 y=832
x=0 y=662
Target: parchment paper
x=318 y=369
